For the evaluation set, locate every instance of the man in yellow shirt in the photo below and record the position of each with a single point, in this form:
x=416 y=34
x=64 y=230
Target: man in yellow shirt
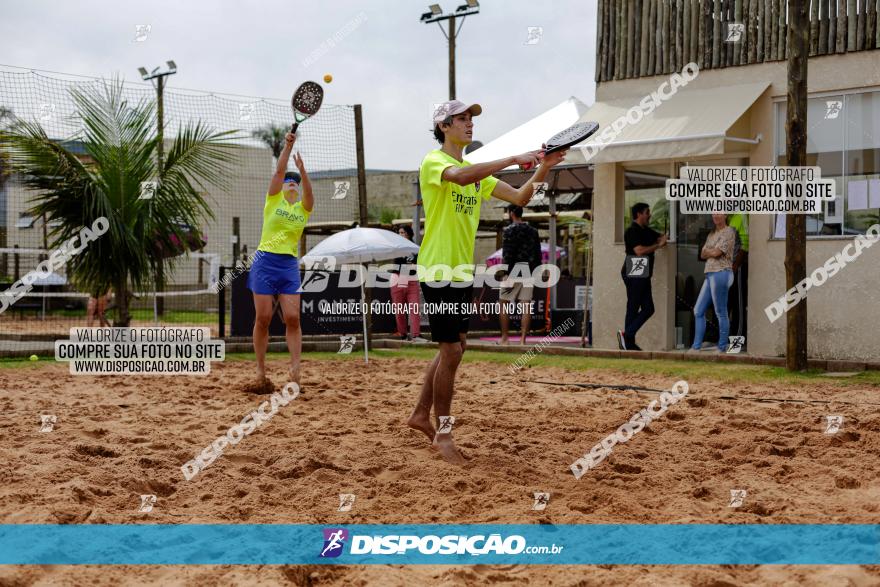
x=275 y=270
x=452 y=191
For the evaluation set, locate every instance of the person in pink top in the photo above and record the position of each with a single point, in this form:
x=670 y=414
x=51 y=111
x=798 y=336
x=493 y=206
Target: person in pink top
x=405 y=290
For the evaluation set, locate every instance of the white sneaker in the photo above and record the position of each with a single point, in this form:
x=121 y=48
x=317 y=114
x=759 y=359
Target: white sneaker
x=419 y=339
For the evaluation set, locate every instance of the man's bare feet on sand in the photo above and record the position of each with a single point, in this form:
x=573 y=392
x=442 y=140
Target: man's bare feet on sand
x=420 y=420
x=447 y=449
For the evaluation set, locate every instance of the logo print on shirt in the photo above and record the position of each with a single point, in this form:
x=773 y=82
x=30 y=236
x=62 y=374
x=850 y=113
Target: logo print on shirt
x=464 y=203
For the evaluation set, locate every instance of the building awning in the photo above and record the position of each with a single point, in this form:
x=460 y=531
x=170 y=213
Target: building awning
x=691 y=123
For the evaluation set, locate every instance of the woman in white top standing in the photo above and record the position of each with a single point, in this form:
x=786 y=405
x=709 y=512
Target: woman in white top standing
x=718 y=253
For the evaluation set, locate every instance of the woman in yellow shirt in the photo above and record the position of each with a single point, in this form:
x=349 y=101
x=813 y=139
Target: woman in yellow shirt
x=275 y=270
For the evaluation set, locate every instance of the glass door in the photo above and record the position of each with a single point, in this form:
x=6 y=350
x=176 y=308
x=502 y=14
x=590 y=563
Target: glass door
x=691 y=231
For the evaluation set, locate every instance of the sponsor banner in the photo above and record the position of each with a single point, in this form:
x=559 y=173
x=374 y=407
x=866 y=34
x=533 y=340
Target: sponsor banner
x=645 y=544
x=322 y=294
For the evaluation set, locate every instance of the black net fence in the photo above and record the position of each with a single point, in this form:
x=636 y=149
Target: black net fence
x=54 y=303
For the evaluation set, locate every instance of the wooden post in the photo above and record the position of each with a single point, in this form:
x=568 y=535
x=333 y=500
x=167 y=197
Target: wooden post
x=814 y=27
x=796 y=156
x=832 y=27
x=619 y=9
x=649 y=28
x=860 y=27
x=701 y=35
x=822 y=49
x=877 y=25
x=783 y=29
x=668 y=42
x=362 y=200
x=851 y=21
x=662 y=35
x=643 y=38
x=753 y=30
x=732 y=48
x=759 y=22
x=676 y=54
x=612 y=38
x=841 y=26
x=361 y=169
x=630 y=37
x=737 y=17
x=774 y=38
x=871 y=27
x=601 y=49
x=716 y=35
x=685 y=32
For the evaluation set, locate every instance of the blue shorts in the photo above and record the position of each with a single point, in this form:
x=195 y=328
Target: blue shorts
x=272 y=273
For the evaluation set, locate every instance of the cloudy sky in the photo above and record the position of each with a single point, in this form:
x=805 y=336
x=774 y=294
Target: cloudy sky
x=392 y=64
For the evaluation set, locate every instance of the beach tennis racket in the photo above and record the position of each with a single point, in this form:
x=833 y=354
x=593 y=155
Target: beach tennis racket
x=573 y=135
x=305 y=102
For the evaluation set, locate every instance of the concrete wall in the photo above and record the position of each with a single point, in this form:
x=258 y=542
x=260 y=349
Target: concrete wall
x=843 y=314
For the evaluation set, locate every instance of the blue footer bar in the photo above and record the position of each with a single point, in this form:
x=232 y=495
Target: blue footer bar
x=648 y=544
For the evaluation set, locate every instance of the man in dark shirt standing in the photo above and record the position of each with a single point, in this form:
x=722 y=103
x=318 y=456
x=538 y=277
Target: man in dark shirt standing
x=640 y=242
x=521 y=245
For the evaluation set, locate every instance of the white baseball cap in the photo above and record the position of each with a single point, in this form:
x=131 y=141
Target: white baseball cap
x=453 y=107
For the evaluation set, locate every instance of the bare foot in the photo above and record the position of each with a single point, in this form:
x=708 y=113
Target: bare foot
x=444 y=444
x=419 y=420
x=293 y=375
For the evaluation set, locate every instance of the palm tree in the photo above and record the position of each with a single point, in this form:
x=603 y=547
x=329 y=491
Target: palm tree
x=273 y=136
x=120 y=143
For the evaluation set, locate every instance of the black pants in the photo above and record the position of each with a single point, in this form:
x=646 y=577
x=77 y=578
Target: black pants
x=639 y=304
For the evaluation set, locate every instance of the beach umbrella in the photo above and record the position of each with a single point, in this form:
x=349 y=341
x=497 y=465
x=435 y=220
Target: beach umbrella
x=361 y=245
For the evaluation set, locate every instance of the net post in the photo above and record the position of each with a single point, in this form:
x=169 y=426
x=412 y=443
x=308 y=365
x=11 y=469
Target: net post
x=15 y=265
x=361 y=169
x=221 y=305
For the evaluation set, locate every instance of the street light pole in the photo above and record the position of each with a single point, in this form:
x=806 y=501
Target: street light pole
x=436 y=15
x=452 y=57
x=160 y=119
x=159 y=84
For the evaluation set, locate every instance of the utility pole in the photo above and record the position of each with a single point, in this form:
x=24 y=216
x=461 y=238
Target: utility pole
x=436 y=15
x=159 y=84
x=452 y=57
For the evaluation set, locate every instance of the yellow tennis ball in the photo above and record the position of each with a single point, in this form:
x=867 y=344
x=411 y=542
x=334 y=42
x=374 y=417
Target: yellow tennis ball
x=328 y=78
x=34 y=358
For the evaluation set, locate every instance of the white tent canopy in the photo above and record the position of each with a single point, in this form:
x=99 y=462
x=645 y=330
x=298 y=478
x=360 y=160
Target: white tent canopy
x=530 y=135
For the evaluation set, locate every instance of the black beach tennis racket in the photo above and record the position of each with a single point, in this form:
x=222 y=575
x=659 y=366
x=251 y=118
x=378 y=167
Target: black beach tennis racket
x=306 y=102
x=573 y=135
